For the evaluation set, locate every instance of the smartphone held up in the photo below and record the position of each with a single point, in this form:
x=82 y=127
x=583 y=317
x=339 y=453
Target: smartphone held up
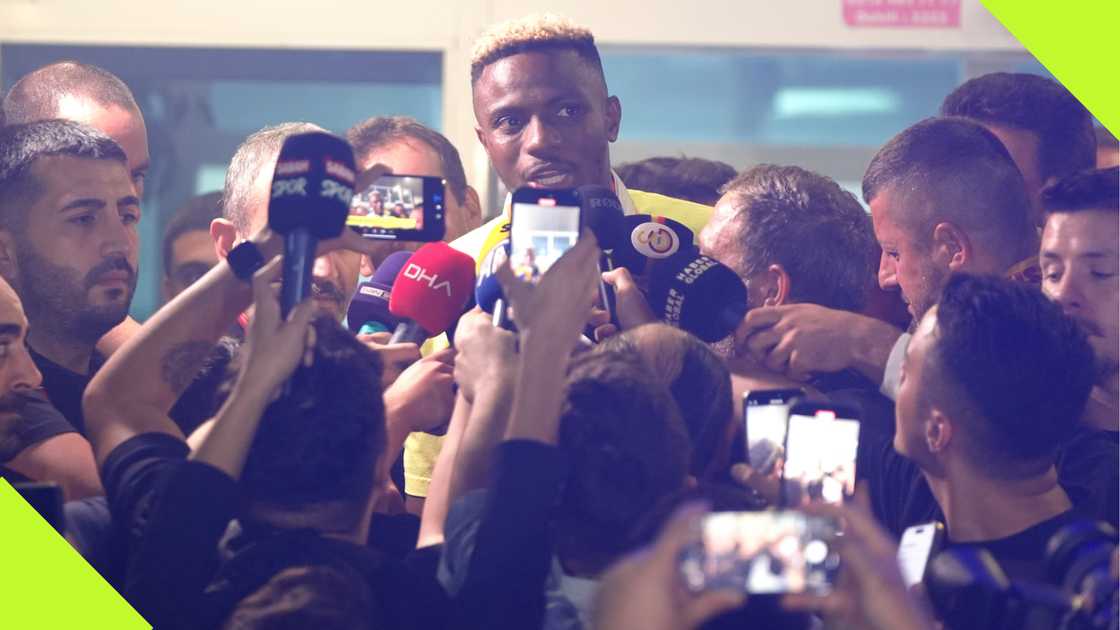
x=399 y=208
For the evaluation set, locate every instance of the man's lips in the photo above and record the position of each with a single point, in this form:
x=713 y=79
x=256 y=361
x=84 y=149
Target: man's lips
x=552 y=176
x=113 y=277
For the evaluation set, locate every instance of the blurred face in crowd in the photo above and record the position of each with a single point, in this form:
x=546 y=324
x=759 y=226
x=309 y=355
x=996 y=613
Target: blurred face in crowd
x=125 y=127
x=545 y=120
x=192 y=255
x=17 y=371
x=334 y=276
x=74 y=265
x=414 y=157
x=1024 y=147
x=1080 y=264
x=906 y=264
x=913 y=406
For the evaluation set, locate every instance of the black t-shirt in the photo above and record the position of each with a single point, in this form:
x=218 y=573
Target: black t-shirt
x=37 y=421
x=176 y=511
x=1022 y=556
x=65 y=388
x=1089 y=470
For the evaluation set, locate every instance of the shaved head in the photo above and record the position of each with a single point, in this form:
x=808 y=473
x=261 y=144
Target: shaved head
x=66 y=89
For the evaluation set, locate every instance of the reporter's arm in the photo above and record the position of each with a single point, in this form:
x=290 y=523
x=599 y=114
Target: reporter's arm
x=136 y=388
x=438 y=501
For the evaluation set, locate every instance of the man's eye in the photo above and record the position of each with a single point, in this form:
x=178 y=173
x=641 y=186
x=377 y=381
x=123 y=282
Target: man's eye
x=129 y=218
x=569 y=111
x=508 y=123
x=83 y=219
x=1102 y=275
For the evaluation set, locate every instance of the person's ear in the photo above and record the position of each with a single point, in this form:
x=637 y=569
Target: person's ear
x=952 y=246
x=366 y=266
x=938 y=431
x=473 y=208
x=614 y=117
x=778 y=286
x=9 y=265
x=224 y=235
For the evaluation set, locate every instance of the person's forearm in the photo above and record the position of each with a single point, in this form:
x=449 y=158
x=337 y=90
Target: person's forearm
x=438 y=501
x=133 y=392
x=115 y=338
x=872 y=344
x=539 y=394
x=64 y=459
x=227 y=444
x=487 y=424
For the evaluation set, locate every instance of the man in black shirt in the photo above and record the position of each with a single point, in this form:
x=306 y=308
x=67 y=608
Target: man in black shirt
x=36 y=443
x=992 y=381
x=1081 y=272
x=301 y=486
x=68 y=246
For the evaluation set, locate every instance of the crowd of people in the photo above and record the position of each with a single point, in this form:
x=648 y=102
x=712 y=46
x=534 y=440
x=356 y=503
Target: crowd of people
x=224 y=466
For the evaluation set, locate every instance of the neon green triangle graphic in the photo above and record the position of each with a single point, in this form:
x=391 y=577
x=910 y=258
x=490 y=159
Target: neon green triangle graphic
x=1076 y=42
x=45 y=583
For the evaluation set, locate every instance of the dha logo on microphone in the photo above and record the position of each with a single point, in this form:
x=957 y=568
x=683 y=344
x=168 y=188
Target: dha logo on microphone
x=654 y=240
x=412 y=271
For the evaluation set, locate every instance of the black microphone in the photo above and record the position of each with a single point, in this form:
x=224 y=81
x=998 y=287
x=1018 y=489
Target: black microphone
x=647 y=239
x=698 y=294
x=602 y=213
x=311 y=190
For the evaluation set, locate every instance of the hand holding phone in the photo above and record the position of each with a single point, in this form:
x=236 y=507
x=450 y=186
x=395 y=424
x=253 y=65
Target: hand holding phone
x=821 y=444
x=918 y=545
x=763 y=553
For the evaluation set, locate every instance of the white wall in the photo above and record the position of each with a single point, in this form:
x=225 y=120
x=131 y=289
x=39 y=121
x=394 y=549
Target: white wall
x=451 y=26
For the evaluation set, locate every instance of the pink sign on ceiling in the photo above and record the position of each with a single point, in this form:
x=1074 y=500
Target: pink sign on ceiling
x=903 y=13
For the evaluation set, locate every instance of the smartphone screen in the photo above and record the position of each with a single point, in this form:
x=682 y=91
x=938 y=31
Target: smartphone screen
x=764 y=422
x=541 y=230
x=918 y=544
x=820 y=463
x=399 y=207
x=763 y=553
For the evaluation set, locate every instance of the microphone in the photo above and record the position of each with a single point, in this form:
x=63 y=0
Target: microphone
x=647 y=238
x=369 y=308
x=602 y=213
x=488 y=291
x=430 y=292
x=310 y=198
x=697 y=294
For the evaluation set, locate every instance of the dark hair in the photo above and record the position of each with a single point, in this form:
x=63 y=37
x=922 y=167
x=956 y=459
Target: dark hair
x=1028 y=102
x=324 y=597
x=694 y=179
x=1019 y=362
x=194 y=215
x=1098 y=189
x=699 y=383
x=814 y=229
x=319 y=442
x=22 y=145
x=379 y=131
x=626 y=447
x=35 y=96
x=955 y=169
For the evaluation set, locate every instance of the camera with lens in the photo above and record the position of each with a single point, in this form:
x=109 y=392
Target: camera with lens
x=970 y=590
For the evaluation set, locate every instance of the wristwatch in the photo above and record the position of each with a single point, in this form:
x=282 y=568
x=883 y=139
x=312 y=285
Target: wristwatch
x=245 y=260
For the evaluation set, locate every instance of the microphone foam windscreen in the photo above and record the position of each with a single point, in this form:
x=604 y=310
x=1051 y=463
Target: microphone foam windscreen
x=648 y=238
x=312 y=185
x=698 y=294
x=371 y=301
x=602 y=213
x=488 y=290
x=433 y=287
